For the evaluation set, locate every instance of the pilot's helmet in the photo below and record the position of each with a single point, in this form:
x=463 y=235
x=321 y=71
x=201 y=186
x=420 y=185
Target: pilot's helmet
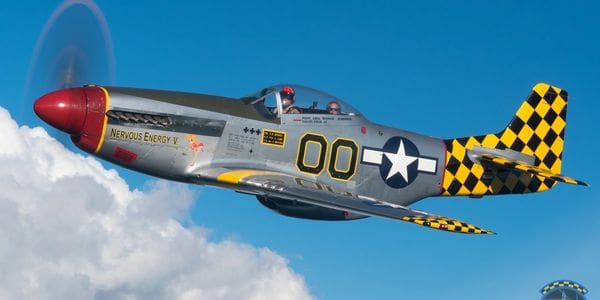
x=287 y=92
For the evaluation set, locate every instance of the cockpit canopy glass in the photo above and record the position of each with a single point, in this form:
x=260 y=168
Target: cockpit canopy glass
x=271 y=101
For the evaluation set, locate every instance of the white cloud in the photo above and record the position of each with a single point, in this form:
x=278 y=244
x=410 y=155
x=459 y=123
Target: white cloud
x=70 y=229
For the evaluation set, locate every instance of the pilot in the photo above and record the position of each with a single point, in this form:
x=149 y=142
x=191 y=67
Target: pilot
x=334 y=108
x=287 y=101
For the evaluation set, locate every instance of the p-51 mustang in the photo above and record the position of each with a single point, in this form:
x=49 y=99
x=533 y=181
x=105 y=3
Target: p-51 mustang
x=304 y=160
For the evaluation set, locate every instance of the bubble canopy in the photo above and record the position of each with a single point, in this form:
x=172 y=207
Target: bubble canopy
x=306 y=100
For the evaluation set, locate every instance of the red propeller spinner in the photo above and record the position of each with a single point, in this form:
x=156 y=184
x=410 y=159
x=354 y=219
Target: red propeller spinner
x=80 y=112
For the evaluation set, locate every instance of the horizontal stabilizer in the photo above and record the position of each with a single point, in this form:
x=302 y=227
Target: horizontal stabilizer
x=520 y=166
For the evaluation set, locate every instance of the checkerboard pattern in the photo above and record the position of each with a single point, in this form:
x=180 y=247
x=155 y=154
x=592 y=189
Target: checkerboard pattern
x=537 y=129
x=503 y=162
x=443 y=223
x=564 y=283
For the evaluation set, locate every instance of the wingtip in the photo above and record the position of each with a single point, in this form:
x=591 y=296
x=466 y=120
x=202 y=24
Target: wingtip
x=583 y=183
x=490 y=232
x=446 y=224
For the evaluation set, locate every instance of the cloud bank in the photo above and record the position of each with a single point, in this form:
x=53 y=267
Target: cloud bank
x=70 y=229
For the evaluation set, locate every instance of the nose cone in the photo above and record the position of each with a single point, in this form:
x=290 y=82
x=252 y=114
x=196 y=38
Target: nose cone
x=63 y=109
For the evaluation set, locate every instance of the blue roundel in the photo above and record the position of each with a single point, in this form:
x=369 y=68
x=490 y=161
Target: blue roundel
x=400 y=162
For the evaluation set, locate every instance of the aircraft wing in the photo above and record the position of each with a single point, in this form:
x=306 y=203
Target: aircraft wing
x=505 y=163
x=280 y=185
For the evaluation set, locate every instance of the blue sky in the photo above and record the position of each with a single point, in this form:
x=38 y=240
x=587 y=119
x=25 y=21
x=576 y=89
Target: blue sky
x=441 y=68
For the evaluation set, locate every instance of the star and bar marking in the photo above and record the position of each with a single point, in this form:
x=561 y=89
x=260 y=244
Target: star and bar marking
x=399 y=161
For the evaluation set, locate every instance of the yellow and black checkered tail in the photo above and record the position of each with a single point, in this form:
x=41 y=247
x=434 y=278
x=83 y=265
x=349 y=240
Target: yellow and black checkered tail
x=536 y=131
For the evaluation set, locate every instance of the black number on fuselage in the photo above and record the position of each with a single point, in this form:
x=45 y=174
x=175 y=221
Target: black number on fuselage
x=301 y=158
x=337 y=146
x=336 y=173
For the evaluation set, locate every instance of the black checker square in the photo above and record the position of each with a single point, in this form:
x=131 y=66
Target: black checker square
x=471 y=181
x=534 y=99
x=517 y=124
x=454 y=187
x=479 y=138
x=463 y=141
x=453 y=165
x=563 y=113
x=519 y=187
x=550 y=95
x=564 y=94
x=448 y=145
x=550 y=137
x=534 y=142
x=467 y=162
x=534 y=184
x=517 y=145
x=501 y=145
x=504 y=190
x=534 y=120
x=562 y=133
x=549 y=182
x=549 y=159
x=550 y=116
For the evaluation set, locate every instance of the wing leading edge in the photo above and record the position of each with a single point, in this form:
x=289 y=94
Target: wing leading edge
x=275 y=184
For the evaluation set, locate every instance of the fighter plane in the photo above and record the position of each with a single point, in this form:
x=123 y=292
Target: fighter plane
x=307 y=154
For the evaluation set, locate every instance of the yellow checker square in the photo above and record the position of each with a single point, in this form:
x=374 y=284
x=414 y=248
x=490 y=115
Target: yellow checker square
x=527 y=150
x=508 y=137
x=558 y=125
x=556 y=166
x=490 y=140
x=557 y=146
x=542 y=108
x=471 y=142
x=462 y=173
x=464 y=191
x=458 y=150
x=558 y=105
x=542 y=129
x=480 y=188
x=543 y=186
x=526 y=133
x=542 y=150
x=448 y=178
x=525 y=111
x=477 y=170
x=541 y=88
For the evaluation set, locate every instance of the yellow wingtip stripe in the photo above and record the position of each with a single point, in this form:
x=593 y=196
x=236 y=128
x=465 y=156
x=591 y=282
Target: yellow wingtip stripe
x=446 y=224
x=107 y=103
x=234 y=177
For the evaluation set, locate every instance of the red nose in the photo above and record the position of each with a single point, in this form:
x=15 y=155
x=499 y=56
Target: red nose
x=79 y=112
x=63 y=109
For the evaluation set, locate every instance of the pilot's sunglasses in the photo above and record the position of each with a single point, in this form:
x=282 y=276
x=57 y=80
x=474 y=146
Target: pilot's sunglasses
x=334 y=108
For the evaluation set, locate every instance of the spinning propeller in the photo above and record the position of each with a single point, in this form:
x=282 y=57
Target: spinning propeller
x=73 y=49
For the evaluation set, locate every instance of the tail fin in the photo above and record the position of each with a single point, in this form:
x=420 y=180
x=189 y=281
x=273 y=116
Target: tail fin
x=538 y=127
x=536 y=131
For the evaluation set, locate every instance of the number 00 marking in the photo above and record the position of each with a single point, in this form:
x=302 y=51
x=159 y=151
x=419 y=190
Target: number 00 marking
x=333 y=170
x=350 y=145
x=300 y=159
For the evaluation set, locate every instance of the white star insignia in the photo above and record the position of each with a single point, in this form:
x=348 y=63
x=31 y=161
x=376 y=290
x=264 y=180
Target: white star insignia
x=400 y=162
